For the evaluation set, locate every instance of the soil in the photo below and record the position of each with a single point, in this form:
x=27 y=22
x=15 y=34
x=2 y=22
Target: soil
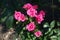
x=8 y=35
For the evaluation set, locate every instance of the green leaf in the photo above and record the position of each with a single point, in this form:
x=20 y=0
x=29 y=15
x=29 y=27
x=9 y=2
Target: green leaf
x=40 y=38
x=28 y=34
x=22 y=36
x=24 y=28
x=21 y=32
x=46 y=25
x=52 y=24
x=27 y=39
x=58 y=23
x=58 y=32
x=49 y=30
x=3 y=19
x=34 y=38
x=45 y=38
x=58 y=0
x=51 y=33
x=53 y=37
x=30 y=19
x=9 y=22
x=58 y=38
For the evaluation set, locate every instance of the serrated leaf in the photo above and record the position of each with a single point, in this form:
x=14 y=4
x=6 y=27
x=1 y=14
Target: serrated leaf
x=52 y=24
x=46 y=25
x=9 y=22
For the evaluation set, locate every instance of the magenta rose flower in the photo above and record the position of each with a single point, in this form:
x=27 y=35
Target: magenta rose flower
x=31 y=12
x=27 y=6
x=23 y=18
x=38 y=33
x=39 y=18
x=19 y=16
x=42 y=13
x=31 y=26
x=35 y=6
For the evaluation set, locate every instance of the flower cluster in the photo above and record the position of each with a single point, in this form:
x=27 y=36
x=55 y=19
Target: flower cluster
x=19 y=16
x=31 y=11
x=31 y=27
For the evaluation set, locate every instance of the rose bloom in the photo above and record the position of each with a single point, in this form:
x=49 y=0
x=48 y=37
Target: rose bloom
x=31 y=26
x=23 y=18
x=38 y=33
x=27 y=6
x=31 y=12
x=42 y=13
x=35 y=6
x=39 y=19
x=19 y=16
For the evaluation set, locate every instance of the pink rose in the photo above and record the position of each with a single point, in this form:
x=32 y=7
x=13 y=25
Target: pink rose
x=27 y=6
x=42 y=13
x=23 y=18
x=35 y=6
x=39 y=18
x=31 y=12
x=19 y=16
x=38 y=33
x=31 y=26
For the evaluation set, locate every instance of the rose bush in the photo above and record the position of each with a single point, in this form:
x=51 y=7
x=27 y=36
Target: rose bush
x=30 y=22
x=32 y=13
